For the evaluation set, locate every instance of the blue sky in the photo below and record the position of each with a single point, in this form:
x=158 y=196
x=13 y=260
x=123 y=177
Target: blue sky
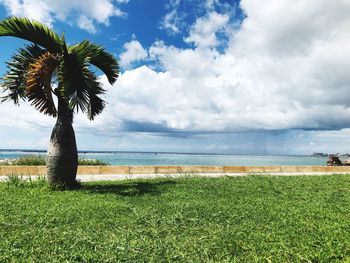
x=141 y=21
x=223 y=76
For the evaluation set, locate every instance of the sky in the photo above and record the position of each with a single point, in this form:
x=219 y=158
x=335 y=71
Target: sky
x=207 y=76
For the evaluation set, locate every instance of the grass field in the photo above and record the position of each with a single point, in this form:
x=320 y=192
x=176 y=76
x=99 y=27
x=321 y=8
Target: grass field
x=243 y=219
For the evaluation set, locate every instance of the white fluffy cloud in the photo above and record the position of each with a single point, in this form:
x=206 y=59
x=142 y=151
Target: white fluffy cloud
x=84 y=22
x=84 y=13
x=285 y=68
x=172 y=21
x=37 y=9
x=203 y=32
x=133 y=52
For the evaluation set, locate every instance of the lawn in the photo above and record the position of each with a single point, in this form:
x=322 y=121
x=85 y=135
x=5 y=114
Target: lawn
x=241 y=219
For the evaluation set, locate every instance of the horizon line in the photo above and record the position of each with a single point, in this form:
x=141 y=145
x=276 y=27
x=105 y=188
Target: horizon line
x=154 y=152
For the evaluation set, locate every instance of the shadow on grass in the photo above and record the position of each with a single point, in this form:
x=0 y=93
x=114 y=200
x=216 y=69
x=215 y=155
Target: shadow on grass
x=129 y=189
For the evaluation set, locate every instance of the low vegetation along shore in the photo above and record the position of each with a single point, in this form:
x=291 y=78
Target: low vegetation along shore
x=238 y=219
x=37 y=160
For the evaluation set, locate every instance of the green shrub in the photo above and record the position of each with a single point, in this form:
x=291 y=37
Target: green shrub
x=83 y=161
x=30 y=160
x=40 y=160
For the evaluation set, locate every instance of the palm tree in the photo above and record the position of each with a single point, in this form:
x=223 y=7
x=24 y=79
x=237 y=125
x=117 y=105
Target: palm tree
x=49 y=68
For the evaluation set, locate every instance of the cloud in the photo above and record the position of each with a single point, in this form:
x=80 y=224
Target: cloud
x=86 y=23
x=133 y=52
x=285 y=68
x=24 y=127
x=172 y=21
x=179 y=14
x=86 y=14
x=203 y=32
x=36 y=9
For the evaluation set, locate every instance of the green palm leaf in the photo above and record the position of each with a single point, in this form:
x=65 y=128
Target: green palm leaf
x=32 y=31
x=98 y=57
x=14 y=81
x=81 y=87
x=95 y=104
x=74 y=88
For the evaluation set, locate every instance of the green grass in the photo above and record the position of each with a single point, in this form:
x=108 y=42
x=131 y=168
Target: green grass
x=37 y=160
x=242 y=219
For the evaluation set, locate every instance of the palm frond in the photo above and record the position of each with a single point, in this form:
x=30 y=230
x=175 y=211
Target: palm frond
x=98 y=57
x=96 y=104
x=32 y=31
x=79 y=86
x=73 y=87
x=38 y=83
x=14 y=81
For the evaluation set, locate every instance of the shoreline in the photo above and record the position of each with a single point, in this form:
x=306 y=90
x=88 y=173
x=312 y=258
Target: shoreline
x=140 y=159
x=42 y=151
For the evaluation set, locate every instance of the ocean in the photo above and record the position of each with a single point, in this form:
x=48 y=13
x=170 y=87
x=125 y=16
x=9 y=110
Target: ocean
x=142 y=158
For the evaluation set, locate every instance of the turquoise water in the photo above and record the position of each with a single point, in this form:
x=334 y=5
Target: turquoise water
x=189 y=159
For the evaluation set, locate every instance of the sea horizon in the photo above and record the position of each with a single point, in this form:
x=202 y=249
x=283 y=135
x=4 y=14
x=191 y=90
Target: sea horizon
x=159 y=152
x=181 y=158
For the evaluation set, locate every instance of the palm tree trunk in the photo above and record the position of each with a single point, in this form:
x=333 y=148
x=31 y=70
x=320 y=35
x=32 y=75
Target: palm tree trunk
x=62 y=156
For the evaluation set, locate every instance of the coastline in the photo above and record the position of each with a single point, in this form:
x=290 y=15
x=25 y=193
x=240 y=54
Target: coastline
x=167 y=159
